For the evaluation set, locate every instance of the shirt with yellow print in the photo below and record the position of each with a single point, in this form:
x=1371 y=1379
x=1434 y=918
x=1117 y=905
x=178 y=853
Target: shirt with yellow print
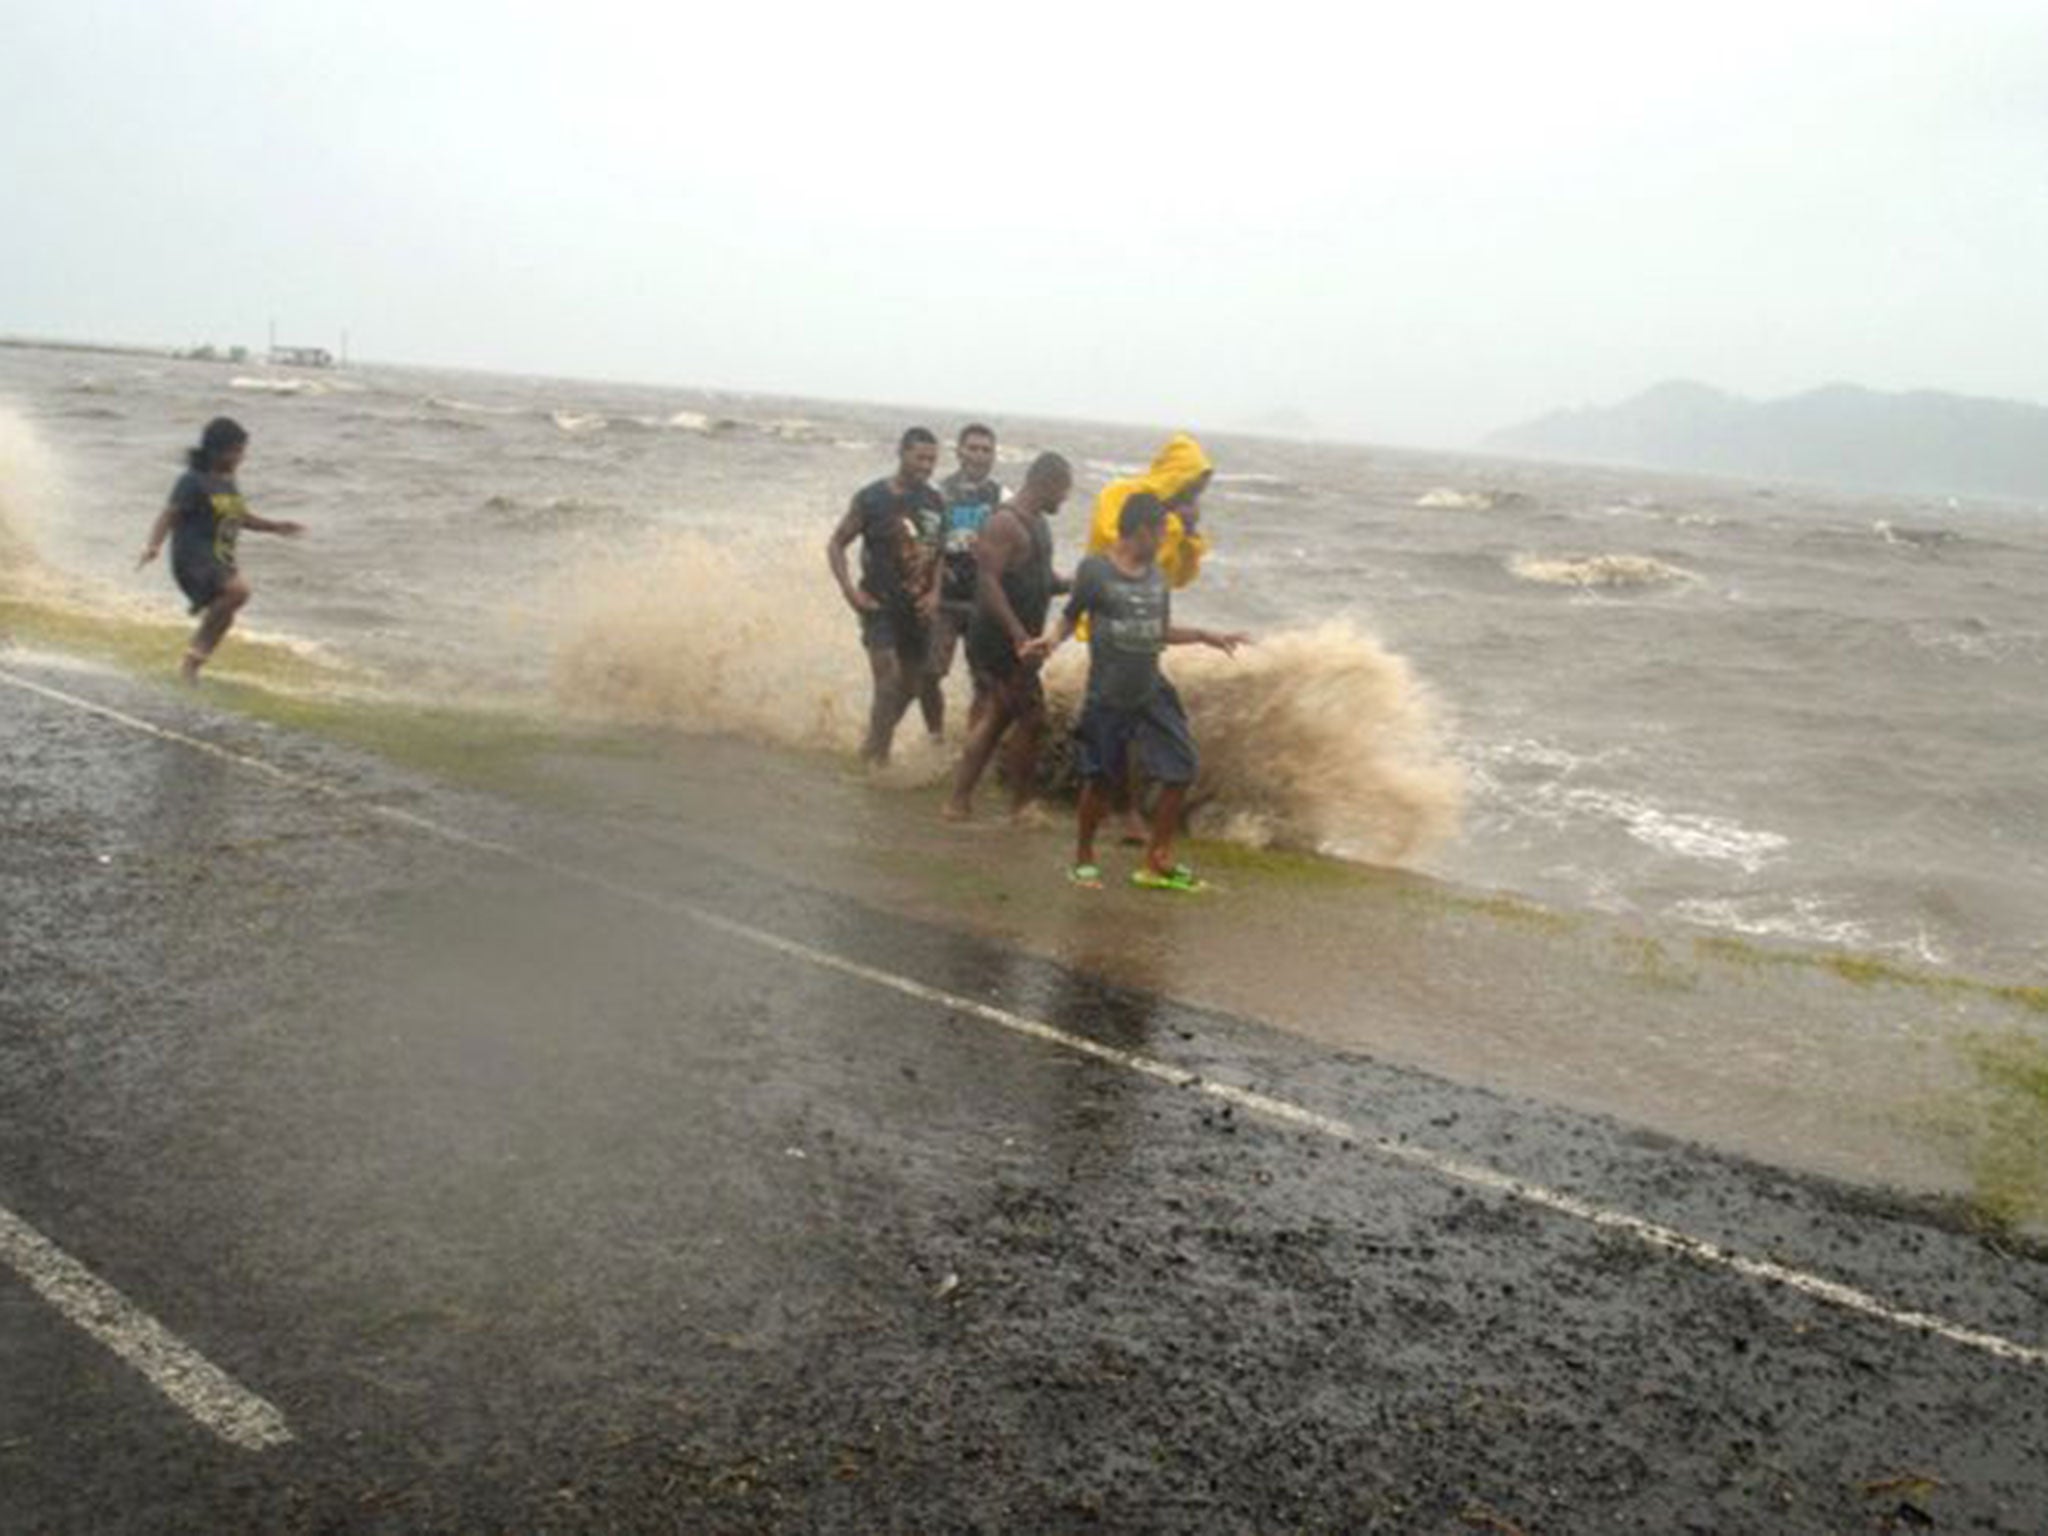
x=210 y=511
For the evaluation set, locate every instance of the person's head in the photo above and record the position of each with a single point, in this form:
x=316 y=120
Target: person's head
x=1180 y=473
x=1048 y=481
x=1190 y=493
x=917 y=455
x=1141 y=524
x=221 y=447
x=977 y=450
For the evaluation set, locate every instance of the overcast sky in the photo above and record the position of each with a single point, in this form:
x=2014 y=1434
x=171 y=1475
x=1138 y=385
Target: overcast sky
x=1412 y=227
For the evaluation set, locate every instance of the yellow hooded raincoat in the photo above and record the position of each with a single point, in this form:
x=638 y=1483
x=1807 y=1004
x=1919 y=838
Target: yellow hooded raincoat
x=1180 y=463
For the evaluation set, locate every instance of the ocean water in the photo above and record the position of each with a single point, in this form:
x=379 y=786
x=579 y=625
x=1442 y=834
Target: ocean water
x=1768 y=709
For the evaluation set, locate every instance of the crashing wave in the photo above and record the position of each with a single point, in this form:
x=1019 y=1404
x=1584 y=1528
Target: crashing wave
x=1315 y=738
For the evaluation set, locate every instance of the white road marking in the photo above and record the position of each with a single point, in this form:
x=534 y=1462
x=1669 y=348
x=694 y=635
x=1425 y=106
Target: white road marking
x=1265 y=1106
x=172 y=1366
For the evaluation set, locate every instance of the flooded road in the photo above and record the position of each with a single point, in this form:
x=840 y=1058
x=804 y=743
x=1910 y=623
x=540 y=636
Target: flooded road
x=547 y=1169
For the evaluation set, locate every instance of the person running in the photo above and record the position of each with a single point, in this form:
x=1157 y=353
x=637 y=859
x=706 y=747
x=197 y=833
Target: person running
x=1180 y=473
x=972 y=494
x=203 y=518
x=1015 y=587
x=1130 y=710
x=897 y=521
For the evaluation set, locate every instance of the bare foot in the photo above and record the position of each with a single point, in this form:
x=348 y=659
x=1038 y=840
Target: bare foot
x=953 y=810
x=1032 y=815
x=188 y=669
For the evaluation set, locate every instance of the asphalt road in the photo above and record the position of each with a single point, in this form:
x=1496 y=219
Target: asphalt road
x=539 y=1175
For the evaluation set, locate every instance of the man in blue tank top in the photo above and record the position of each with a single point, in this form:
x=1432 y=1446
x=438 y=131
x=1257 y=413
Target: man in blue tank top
x=971 y=494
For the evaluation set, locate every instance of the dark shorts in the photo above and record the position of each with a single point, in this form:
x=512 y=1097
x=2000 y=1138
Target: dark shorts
x=1017 y=689
x=200 y=578
x=1158 y=730
x=892 y=629
x=999 y=673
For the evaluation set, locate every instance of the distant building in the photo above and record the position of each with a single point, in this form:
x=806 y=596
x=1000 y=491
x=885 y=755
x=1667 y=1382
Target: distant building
x=301 y=357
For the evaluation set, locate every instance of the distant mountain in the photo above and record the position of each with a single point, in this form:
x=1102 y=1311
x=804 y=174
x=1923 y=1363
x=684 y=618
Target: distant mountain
x=1923 y=441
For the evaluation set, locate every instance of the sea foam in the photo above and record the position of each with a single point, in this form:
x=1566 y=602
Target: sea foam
x=1314 y=738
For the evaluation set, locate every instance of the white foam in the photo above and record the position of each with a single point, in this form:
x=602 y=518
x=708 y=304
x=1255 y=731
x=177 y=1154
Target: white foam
x=1591 y=571
x=446 y=403
x=1683 y=834
x=1805 y=920
x=1445 y=499
x=263 y=386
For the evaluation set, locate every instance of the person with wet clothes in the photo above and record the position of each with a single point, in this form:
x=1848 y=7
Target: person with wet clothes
x=1131 y=717
x=971 y=493
x=897 y=520
x=1015 y=587
x=204 y=519
x=1180 y=473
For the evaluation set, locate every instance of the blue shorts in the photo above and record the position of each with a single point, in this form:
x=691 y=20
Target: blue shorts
x=1158 y=729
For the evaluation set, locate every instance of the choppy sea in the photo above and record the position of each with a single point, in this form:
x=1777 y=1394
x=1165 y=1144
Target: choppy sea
x=1783 y=711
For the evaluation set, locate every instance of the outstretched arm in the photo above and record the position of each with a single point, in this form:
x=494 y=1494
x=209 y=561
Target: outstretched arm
x=257 y=524
x=1227 y=643
x=1045 y=645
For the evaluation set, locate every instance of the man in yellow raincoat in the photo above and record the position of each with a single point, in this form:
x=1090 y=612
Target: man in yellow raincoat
x=1178 y=476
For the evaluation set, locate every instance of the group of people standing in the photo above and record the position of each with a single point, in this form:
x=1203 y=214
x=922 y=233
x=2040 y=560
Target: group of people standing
x=945 y=569
x=957 y=566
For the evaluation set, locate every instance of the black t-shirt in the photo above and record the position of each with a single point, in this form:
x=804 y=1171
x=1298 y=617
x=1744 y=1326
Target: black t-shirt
x=896 y=527
x=209 y=518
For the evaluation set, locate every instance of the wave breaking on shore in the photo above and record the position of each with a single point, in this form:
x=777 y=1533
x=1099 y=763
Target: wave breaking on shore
x=1315 y=738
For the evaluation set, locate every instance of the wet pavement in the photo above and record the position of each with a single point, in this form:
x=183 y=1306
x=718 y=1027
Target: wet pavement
x=497 y=1150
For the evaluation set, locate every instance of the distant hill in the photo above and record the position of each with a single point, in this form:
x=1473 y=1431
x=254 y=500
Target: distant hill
x=1923 y=441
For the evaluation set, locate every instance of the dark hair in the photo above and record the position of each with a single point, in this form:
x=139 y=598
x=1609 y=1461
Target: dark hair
x=1049 y=469
x=976 y=429
x=222 y=435
x=914 y=437
x=1140 y=513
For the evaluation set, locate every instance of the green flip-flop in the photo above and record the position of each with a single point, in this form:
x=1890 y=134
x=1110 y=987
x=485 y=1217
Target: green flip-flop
x=1178 y=878
x=1087 y=876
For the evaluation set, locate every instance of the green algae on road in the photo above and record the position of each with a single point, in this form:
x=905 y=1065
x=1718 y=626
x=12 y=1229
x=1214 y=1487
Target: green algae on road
x=2001 y=1125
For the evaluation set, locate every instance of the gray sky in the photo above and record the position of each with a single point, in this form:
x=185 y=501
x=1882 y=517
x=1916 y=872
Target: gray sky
x=1412 y=226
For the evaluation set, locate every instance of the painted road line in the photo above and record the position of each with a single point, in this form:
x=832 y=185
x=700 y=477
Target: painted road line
x=1477 y=1175
x=173 y=1367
